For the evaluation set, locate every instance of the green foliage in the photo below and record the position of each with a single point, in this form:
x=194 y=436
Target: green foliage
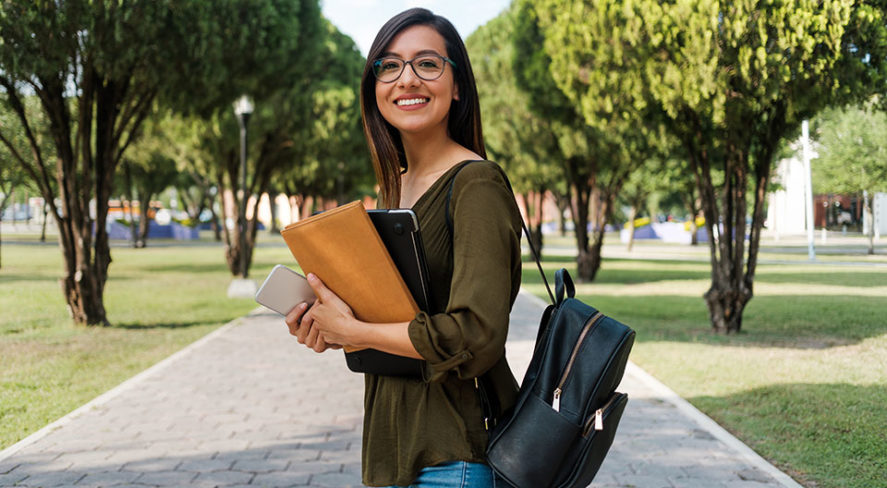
x=150 y=160
x=852 y=151
x=731 y=79
x=523 y=142
x=329 y=157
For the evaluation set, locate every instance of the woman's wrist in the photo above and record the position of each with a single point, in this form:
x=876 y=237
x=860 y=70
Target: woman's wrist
x=359 y=334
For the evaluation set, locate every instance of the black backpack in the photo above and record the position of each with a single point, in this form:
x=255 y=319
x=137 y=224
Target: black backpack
x=563 y=423
x=566 y=415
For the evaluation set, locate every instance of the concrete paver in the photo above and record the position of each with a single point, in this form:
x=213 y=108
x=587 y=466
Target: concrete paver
x=249 y=406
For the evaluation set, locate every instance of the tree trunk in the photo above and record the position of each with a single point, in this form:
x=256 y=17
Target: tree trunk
x=214 y=223
x=133 y=227
x=144 y=220
x=274 y=228
x=2 y=207
x=732 y=276
x=43 y=226
x=580 y=182
x=869 y=213
x=631 y=217
x=533 y=206
x=725 y=306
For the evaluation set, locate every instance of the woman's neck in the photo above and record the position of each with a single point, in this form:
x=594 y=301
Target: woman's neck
x=429 y=153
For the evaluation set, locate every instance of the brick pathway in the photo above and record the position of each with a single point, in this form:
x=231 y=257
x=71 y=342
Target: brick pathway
x=249 y=406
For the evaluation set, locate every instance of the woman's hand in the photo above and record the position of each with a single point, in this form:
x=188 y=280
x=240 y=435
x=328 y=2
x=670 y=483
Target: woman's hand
x=330 y=316
x=300 y=325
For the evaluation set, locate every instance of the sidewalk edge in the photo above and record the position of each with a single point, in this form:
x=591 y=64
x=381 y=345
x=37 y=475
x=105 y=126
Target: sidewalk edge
x=116 y=391
x=705 y=422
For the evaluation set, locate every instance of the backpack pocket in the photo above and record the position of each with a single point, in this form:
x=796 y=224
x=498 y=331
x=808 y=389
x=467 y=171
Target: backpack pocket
x=507 y=451
x=597 y=437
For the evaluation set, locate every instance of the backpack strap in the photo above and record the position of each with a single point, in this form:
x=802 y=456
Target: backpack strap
x=523 y=224
x=563 y=282
x=489 y=403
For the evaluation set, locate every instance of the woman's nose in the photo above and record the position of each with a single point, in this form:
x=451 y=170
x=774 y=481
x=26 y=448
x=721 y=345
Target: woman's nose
x=409 y=76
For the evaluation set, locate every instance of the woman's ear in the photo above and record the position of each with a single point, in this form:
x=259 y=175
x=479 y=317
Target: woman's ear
x=455 y=91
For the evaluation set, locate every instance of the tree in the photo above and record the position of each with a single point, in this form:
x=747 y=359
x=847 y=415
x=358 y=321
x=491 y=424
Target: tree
x=732 y=79
x=195 y=183
x=331 y=162
x=602 y=145
x=636 y=192
x=515 y=136
x=531 y=65
x=144 y=180
x=146 y=170
x=679 y=193
x=852 y=155
x=96 y=68
x=305 y=133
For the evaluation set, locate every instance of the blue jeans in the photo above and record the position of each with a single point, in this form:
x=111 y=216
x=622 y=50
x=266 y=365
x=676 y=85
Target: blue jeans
x=456 y=474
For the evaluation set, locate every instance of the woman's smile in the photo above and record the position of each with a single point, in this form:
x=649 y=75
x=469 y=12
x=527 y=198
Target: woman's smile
x=411 y=102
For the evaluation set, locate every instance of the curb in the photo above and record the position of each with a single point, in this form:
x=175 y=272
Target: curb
x=705 y=422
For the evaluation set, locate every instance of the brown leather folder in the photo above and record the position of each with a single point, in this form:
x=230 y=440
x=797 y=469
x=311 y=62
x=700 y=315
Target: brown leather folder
x=341 y=246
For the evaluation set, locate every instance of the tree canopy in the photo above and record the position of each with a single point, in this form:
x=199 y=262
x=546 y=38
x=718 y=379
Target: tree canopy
x=731 y=79
x=852 y=147
x=97 y=67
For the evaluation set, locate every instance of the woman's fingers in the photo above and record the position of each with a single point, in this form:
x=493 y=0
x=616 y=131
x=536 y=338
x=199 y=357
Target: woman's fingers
x=312 y=338
x=294 y=317
x=305 y=329
x=320 y=290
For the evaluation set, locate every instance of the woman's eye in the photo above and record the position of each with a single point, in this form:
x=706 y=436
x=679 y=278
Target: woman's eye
x=429 y=63
x=389 y=65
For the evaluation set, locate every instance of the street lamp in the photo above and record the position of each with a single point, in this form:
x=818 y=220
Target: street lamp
x=242 y=287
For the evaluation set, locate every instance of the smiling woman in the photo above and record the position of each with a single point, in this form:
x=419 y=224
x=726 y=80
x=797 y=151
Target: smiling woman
x=421 y=118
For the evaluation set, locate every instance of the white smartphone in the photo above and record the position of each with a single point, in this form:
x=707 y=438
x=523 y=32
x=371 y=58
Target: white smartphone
x=283 y=289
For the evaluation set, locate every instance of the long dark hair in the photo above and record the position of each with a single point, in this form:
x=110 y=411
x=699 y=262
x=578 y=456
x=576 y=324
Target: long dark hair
x=464 y=126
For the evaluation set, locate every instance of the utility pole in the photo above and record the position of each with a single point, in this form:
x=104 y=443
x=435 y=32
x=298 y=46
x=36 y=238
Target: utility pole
x=808 y=193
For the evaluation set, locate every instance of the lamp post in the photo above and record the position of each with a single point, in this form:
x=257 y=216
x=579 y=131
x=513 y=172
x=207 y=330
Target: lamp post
x=242 y=287
x=243 y=107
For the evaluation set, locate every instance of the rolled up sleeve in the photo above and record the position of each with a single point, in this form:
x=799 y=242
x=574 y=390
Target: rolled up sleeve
x=469 y=337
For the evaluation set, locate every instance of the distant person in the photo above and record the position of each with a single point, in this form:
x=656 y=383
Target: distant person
x=422 y=121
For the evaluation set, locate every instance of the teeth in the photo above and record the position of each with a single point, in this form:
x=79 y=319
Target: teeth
x=411 y=101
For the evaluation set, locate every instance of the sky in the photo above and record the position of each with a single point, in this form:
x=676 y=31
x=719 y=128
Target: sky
x=361 y=19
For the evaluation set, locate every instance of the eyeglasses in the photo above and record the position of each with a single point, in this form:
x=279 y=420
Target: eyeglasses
x=429 y=67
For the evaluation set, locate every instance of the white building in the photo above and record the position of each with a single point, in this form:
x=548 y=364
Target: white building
x=785 y=210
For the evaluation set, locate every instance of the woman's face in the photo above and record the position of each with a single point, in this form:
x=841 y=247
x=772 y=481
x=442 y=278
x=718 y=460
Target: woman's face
x=413 y=105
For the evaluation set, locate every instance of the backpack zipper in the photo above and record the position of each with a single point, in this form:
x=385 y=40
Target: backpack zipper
x=556 y=400
x=597 y=420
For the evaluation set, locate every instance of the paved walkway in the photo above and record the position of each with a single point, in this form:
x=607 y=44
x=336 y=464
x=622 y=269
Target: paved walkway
x=248 y=406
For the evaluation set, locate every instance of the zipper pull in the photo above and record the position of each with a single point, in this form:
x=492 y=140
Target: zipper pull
x=599 y=419
x=556 y=401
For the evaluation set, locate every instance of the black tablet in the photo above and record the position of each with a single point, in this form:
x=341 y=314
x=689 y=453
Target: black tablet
x=399 y=230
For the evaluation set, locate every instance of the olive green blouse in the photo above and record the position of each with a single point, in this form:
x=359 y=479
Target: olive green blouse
x=475 y=277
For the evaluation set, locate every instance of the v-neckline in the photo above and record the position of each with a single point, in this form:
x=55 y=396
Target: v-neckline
x=443 y=177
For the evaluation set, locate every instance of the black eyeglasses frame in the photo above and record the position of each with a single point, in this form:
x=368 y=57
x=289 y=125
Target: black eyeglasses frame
x=405 y=62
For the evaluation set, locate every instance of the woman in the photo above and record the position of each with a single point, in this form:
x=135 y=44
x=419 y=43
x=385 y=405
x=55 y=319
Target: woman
x=422 y=121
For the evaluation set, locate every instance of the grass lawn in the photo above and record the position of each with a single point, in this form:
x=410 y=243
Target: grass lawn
x=158 y=299
x=804 y=384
